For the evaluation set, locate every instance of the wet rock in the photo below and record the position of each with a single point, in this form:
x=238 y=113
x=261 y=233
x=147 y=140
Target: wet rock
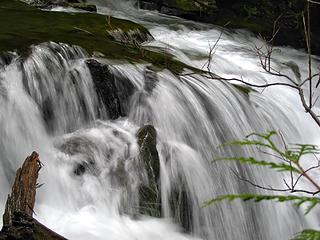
x=149 y=193
x=150 y=79
x=79 y=4
x=114 y=91
x=6 y=58
x=179 y=198
x=85 y=150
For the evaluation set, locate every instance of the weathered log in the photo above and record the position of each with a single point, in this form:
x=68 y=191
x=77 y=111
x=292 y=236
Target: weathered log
x=18 y=222
x=23 y=194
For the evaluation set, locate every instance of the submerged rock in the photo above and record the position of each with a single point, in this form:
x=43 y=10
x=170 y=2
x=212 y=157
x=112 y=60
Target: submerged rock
x=181 y=208
x=149 y=193
x=150 y=79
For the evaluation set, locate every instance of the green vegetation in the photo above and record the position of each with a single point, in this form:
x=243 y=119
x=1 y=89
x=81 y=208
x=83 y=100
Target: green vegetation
x=297 y=200
x=290 y=161
x=23 y=25
x=308 y=234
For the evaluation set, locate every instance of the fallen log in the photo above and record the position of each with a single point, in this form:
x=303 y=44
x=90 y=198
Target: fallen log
x=18 y=221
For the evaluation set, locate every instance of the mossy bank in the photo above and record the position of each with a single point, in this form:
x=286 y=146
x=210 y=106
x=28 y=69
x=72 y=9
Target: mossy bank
x=23 y=25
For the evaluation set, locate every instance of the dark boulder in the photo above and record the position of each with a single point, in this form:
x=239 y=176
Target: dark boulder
x=6 y=58
x=114 y=90
x=149 y=192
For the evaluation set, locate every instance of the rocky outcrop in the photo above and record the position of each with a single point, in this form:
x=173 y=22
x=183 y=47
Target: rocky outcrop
x=18 y=223
x=257 y=16
x=113 y=90
x=149 y=193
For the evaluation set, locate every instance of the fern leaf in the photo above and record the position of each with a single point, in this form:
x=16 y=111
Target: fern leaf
x=298 y=200
x=253 y=161
x=308 y=234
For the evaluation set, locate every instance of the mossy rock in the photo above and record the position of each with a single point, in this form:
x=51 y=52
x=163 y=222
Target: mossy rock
x=23 y=25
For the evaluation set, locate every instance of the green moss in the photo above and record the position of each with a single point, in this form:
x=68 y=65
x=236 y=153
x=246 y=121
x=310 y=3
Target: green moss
x=23 y=25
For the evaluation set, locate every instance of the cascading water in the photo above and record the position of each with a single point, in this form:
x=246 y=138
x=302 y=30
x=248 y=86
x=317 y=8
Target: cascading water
x=92 y=174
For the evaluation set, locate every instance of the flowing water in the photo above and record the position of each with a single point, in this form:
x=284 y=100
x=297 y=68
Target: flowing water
x=49 y=104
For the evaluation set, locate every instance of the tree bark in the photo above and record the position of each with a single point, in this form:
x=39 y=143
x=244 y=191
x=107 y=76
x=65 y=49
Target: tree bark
x=18 y=222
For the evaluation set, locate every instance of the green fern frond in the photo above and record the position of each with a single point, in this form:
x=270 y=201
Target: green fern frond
x=294 y=153
x=298 y=200
x=266 y=136
x=251 y=160
x=245 y=142
x=308 y=234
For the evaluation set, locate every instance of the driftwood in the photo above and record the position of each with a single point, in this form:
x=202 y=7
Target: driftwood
x=18 y=222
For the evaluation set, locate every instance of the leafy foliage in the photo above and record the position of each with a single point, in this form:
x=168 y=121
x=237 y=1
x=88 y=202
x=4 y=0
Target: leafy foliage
x=298 y=200
x=264 y=140
x=290 y=157
x=276 y=166
x=308 y=234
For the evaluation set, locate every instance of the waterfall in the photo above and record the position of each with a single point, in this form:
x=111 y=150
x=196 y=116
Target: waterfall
x=91 y=170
